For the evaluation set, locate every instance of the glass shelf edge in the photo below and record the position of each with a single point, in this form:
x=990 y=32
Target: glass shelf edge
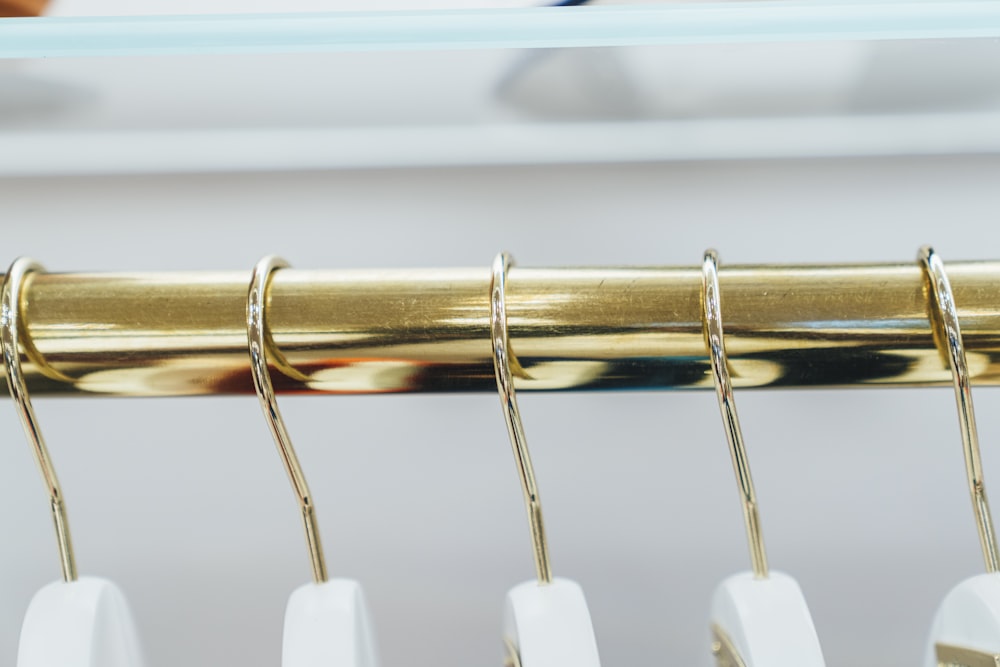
x=778 y=21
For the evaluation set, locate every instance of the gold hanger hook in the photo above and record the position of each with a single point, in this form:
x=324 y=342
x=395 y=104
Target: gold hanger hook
x=712 y=321
x=502 y=363
x=260 y=344
x=10 y=330
x=948 y=335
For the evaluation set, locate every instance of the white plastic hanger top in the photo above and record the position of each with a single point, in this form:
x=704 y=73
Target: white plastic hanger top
x=75 y=622
x=326 y=622
x=759 y=618
x=966 y=627
x=763 y=622
x=550 y=624
x=82 y=623
x=546 y=622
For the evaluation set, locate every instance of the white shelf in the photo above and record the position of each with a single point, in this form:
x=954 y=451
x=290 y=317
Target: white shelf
x=601 y=84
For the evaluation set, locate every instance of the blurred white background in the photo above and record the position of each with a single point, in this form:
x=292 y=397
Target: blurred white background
x=184 y=503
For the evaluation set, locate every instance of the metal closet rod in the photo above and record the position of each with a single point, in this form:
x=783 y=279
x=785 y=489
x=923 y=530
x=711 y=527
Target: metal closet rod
x=427 y=330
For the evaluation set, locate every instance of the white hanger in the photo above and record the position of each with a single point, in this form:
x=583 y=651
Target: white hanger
x=83 y=623
x=75 y=622
x=546 y=622
x=326 y=622
x=966 y=627
x=758 y=618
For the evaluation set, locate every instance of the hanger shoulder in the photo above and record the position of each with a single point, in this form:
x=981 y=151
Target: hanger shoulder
x=328 y=624
x=84 y=623
x=966 y=627
x=549 y=625
x=766 y=621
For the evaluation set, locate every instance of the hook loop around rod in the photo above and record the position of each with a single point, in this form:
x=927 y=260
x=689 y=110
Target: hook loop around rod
x=260 y=342
x=502 y=364
x=10 y=330
x=714 y=338
x=948 y=335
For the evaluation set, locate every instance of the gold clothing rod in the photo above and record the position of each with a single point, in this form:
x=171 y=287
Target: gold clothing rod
x=426 y=330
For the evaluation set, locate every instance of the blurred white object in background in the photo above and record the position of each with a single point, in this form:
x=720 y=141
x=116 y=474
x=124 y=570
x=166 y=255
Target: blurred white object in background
x=794 y=84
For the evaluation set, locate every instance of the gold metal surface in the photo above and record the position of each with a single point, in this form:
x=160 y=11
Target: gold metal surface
x=944 y=317
x=956 y=656
x=375 y=331
x=261 y=346
x=10 y=335
x=715 y=339
x=504 y=362
x=723 y=649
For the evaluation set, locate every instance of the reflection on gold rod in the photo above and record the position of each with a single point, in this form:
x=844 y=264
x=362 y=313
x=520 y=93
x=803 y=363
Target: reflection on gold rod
x=376 y=331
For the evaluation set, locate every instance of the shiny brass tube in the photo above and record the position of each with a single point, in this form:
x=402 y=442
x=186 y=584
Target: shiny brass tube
x=427 y=330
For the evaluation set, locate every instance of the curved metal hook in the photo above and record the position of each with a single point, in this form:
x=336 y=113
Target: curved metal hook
x=714 y=338
x=948 y=337
x=260 y=342
x=10 y=330
x=502 y=363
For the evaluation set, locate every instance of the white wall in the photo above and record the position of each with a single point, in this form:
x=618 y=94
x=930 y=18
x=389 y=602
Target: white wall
x=862 y=491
